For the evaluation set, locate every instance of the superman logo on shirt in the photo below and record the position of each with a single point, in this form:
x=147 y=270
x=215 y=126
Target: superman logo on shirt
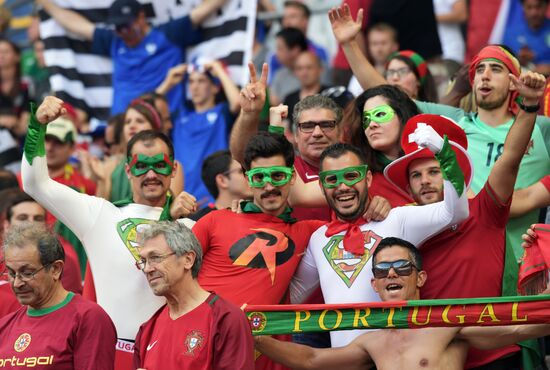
x=128 y=231
x=265 y=248
x=346 y=264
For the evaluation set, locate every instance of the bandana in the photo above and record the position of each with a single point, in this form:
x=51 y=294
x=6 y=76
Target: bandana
x=501 y=55
x=354 y=241
x=416 y=59
x=160 y=163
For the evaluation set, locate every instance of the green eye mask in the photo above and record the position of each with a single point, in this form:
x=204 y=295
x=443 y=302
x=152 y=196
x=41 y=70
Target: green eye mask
x=160 y=163
x=381 y=114
x=275 y=175
x=349 y=176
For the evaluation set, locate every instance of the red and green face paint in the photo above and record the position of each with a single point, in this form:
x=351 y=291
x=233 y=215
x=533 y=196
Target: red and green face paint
x=160 y=163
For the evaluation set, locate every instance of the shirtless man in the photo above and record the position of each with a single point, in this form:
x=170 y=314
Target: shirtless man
x=398 y=276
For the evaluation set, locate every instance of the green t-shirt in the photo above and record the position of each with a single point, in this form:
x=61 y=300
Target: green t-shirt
x=485 y=145
x=120 y=185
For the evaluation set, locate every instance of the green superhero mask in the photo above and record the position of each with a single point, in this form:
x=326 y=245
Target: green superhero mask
x=275 y=175
x=349 y=176
x=140 y=164
x=380 y=114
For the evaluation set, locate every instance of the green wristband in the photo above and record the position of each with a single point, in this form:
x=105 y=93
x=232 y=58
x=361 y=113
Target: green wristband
x=36 y=136
x=449 y=166
x=276 y=130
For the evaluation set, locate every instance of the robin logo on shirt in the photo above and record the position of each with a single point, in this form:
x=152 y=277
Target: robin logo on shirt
x=265 y=248
x=193 y=342
x=347 y=265
x=22 y=342
x=128 y=230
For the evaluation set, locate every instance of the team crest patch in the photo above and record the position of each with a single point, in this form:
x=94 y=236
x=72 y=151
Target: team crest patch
x=347 y=265
x=193 y=342
x=257 y=321
x=22 y=342
x=128 y=230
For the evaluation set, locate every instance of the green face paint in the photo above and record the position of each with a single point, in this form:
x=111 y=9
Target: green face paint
x=160 y=163
x=381 y=114
x=349 y=176
x=275 y=175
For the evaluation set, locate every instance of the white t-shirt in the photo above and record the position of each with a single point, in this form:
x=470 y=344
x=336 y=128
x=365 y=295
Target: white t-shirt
x=345 y=277
x=452 y=41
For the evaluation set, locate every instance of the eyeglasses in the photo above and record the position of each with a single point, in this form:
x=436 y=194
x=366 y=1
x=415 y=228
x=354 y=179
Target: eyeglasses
x=400 y=72
x=401 y=268
x=349 y=176
x=309 y=126
x=152 y=260
x=380 y=114
x=275 y=175
x=25 y=276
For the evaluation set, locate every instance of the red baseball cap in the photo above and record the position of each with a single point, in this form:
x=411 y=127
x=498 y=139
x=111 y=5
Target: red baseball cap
x=397 y=171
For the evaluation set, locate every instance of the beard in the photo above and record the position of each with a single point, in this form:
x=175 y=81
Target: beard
x=493 y=102
x=350 y=215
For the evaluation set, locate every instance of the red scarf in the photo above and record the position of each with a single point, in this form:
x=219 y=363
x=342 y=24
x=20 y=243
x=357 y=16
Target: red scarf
x=535 y=262
x=354 y=241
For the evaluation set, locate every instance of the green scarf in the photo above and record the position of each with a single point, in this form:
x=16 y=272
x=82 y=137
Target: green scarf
x=249 y=207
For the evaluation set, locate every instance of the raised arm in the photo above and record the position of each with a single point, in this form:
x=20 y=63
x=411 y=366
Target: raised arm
x=70 y=20
x=174 y=76
x=78 y=211
x=231 y=91
x=502 y=178
x=300 y=357
x=531 y=198
x=345 y=30
x=204 y=10
x=252 y=100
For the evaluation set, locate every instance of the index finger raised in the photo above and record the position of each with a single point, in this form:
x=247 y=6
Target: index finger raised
x=252 y=71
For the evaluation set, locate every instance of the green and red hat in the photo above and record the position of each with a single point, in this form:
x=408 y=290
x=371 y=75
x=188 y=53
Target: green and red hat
x=397 y=172
x=419 y=62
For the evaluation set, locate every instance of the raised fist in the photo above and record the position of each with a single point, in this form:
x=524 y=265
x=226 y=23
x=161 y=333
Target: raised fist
x=50 y=109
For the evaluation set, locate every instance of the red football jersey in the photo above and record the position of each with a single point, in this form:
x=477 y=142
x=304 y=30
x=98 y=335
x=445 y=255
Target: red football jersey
x=214 y=335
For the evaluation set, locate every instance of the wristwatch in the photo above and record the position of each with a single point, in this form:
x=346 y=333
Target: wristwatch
x=528 y=108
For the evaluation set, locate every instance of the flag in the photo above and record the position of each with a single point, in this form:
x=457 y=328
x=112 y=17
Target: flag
x=84 y=79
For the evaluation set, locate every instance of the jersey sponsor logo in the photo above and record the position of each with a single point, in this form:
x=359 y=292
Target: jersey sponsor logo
x=128 y=231
x=311 y=177
x=193 y=342
x=22 y=342
x=265 y=248
x=347 y=265
x=16 y=362
x=151 y=345
x=257 y=321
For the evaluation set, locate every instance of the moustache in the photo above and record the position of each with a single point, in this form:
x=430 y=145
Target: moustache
x=275 y=192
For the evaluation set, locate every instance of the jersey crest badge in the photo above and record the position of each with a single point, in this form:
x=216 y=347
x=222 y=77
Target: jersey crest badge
x=22 y=342
x=257 y=321
x=347 y=265
x=265 y=248
x=193 y=342
x=128 y=231
x=151 y=48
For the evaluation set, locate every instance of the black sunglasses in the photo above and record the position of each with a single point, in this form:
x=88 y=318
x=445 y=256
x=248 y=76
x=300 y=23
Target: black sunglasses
x=401 y=268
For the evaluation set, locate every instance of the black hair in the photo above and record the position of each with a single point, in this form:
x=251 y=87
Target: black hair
x=216 y=163
x=397 y=242
x=15 y=199
x=298 y=4
x=339 y=149
x=404 y=108
x=150 y=135
x=293 y=38
x=8 y=179
x=266 y=145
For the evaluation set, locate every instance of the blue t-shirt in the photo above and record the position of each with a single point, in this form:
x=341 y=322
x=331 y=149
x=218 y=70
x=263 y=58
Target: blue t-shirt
x=517 y=34
x=196 y=136
x=142 y=68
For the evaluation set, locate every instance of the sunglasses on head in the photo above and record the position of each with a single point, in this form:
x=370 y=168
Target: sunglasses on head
x=349 y=176
x=275 y=175
x=401 y=268
x=380 y=114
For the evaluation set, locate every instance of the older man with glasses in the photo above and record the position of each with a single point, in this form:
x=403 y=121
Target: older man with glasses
x=55 y=329
x=212 y=333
